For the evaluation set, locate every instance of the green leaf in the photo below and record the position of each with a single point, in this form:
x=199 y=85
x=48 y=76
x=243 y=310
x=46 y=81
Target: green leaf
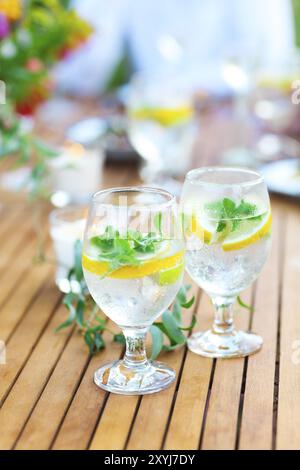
x=161 y=326
x=169 y=348
x=181 y=295
x=120 y=338
x=44 y=149
x=229 y=207
x=221 y=226
x=100 y=326
x=244 y=305
x=177 y=312
x=67 y=301
x=80 y=307
x=157 y=341
x=88 y=338
x=124 y=251
x=173 y=331
x=99 y=342
x=245 y=208
x=193 y=323
x=78 y=263
x=189 y=303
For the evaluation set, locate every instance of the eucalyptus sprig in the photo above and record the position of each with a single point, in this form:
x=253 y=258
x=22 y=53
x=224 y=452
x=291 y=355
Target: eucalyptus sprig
x=26 y=149
x=85 y=315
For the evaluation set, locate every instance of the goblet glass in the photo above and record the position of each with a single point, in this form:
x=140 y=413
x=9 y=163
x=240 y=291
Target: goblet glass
x=227 y=223
x=162 y=126
x=133 y=266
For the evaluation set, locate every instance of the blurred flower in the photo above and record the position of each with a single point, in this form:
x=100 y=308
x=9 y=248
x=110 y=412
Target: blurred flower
x=8 y=49
x=37 y=96
x=23 y=36
x=4 y=26
x=34 y=65
x=11 y=8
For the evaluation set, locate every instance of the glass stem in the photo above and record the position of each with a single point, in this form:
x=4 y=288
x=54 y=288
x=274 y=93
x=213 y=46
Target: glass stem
x=223 y=323
x=135 y=355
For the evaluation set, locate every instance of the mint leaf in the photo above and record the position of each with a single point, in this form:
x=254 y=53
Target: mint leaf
x=245 y=208
x=228 y=207
x=226 y=212
x=221 y=226
x=124 y=250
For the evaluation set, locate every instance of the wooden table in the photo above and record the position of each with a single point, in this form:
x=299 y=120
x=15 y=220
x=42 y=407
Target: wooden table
x=47 y=395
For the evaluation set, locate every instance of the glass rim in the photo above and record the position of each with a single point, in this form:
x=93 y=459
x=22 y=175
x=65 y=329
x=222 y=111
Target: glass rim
x=190 y=176
x=171 y=199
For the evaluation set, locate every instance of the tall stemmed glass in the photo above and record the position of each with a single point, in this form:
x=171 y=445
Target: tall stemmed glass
x=227 y=224
x=162 y=126
x=133 y=265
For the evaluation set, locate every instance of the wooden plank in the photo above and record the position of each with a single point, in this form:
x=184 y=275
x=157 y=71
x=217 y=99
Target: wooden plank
x=15 y=307
x=25 y=336
x=114 y=407
x=114 y=426
x=14 y=243
x=15 y=271
x=185 y=424
x=259 y=392
x=31 y=382
x=51 y=407
x=83 y=413
x=154 y=410
x=288 y=424
x=222 y=414
x=9 y=218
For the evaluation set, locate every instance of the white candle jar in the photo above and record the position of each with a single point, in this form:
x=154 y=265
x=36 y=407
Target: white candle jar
x=76 y=173
x=66 y=226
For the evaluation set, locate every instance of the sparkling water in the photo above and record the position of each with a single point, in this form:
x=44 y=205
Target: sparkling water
x=131 y=302
x=225 y=273
x=137 y=301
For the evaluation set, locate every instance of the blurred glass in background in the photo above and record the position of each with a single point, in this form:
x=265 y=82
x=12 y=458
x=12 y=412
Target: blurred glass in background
x=162 y=62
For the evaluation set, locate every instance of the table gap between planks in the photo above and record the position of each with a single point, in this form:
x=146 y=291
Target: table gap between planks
x=47 y=396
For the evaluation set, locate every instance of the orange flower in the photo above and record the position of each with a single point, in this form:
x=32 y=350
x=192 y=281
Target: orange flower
x=11 y=9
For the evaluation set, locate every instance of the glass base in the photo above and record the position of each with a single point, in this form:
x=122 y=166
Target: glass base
x=115 y=377
x=233 y=344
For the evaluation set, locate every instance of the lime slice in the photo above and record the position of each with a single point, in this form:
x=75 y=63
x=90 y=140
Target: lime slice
x=170 y=276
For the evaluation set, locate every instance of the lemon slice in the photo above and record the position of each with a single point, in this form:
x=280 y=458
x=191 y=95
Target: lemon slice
x=147 y=268
x=244 y=237
x=202 y=233
x=250 y=232
x=164 y=116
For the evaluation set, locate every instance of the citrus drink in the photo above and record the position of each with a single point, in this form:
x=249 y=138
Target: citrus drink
x=224 y=256
x=135 y=294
